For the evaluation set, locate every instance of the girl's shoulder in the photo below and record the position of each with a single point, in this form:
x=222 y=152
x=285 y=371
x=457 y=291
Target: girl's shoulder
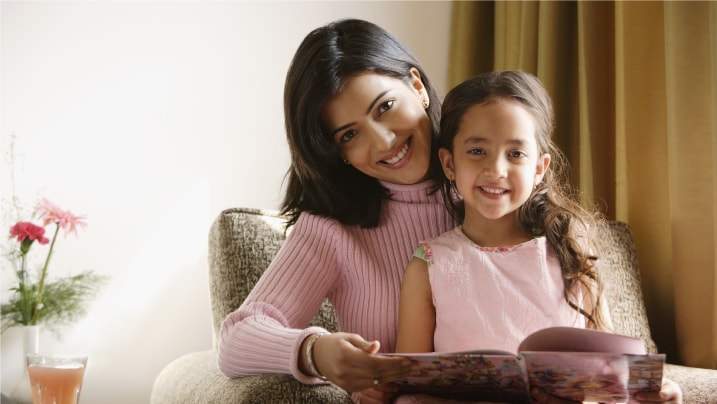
x=449 y=239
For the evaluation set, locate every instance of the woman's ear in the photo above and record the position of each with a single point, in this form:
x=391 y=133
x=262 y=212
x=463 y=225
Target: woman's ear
x=447 y=163
x=542 y=167
x=417 y=85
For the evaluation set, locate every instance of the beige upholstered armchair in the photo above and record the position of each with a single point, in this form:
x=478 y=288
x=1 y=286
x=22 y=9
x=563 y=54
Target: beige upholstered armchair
x=242 y=242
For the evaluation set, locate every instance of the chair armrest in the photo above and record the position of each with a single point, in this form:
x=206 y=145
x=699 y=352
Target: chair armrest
x=195 y=378
x=699 y=386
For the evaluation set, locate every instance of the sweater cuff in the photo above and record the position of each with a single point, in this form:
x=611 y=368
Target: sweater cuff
x=296 y=351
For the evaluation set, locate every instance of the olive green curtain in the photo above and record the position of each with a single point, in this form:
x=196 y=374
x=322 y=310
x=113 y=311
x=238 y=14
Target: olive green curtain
x=635 y=92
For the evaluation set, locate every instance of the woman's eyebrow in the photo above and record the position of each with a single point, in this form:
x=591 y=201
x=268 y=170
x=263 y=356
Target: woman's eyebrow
x=368 y=111
x=340 y=128
x=375 y=100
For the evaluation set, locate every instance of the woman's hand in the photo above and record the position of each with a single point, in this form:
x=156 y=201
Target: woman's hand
x=348 y=361
x=670 y=393
x=381 y=394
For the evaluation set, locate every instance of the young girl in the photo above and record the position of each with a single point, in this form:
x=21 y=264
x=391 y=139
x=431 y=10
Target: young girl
x=523 y=257
x=361 y=121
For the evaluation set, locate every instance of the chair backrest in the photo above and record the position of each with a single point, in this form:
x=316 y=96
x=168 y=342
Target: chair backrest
x=243 y=241
x=620 y=274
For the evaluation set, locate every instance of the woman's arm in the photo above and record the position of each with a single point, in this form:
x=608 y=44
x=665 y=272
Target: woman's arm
x=416 y=313
x=265 y=334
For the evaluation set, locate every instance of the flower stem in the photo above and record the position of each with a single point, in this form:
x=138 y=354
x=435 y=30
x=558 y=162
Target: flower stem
x=41 y=287
x=23 y=289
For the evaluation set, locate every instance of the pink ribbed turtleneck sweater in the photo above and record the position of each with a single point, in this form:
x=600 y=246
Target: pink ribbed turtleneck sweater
x=360 y=270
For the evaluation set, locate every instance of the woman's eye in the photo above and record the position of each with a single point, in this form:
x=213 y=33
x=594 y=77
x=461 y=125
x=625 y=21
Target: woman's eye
x=346 y=136
x=385 y=106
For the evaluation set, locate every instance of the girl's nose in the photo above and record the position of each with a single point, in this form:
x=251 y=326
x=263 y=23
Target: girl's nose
x=496 y=167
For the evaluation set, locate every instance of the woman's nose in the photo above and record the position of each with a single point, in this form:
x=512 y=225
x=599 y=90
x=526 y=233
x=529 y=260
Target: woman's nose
x=383 y=137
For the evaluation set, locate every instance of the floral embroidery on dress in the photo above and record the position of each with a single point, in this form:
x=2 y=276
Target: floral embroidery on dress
x=505 y=249
x=501 y=249
x=424 y=252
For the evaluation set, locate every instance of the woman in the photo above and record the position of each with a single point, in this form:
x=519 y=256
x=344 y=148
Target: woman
x=361 y=120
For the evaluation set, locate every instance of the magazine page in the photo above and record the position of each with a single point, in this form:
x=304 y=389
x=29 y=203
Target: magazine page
x=594 y=376
x=477 y=376
x=582 y=340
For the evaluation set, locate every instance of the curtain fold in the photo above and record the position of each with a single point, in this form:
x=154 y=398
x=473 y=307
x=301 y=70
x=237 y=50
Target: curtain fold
x=634 y=85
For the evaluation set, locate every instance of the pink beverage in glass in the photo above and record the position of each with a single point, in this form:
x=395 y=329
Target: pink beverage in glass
x=55 y=379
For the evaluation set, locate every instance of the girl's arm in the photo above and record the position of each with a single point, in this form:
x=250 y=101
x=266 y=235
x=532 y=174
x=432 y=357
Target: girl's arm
x=604 y=308
x=416 y=313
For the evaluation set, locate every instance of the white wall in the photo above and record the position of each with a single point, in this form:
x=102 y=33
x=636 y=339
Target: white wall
x=150 y=118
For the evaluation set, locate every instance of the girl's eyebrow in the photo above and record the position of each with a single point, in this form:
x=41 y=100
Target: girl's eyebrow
x=368 y=111
x=478 y=139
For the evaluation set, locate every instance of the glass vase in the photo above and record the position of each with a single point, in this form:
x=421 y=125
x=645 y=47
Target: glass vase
x=22 y=394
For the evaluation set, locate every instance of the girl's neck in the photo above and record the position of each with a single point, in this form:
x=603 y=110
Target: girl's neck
x=494 y=232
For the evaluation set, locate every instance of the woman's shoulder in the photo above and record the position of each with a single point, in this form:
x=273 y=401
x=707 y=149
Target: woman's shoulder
x=310 y=222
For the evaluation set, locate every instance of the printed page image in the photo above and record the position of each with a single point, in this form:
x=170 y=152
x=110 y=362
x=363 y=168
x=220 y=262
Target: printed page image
x=468 y=376
x=589 y=376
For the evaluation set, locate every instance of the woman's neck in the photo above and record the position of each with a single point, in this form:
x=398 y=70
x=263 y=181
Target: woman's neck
x=494 y=232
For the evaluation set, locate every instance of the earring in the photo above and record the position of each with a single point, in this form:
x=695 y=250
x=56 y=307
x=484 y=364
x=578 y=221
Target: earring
x=347 y=162
x=425 y=104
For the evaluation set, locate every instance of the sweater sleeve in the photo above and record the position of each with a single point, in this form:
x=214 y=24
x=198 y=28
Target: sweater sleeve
x=265 y=334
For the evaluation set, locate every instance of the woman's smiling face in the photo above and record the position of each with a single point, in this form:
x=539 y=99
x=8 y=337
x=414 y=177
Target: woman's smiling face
x=380 y=126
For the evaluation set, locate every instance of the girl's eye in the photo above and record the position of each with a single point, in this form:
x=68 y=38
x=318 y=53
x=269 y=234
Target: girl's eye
x=476 y=151
x=385 y=106
x=516 y=154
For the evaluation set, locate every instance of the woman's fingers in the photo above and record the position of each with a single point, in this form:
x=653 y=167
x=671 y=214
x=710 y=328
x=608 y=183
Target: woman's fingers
x=379 y=394
x=349 y=361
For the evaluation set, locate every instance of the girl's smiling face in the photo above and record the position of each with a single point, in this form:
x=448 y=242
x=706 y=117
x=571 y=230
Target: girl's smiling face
x=380 y=126
x=495 y=161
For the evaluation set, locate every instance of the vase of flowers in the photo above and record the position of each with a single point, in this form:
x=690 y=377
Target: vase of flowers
x=22 y=392
x=37 y=300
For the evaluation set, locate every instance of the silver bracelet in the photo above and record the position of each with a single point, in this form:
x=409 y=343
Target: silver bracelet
x=309 y=355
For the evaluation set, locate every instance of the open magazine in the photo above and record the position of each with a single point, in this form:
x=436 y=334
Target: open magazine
x=572 y=363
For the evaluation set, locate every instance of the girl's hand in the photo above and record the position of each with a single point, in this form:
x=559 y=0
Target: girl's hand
x=670 y=393
x=348 y=361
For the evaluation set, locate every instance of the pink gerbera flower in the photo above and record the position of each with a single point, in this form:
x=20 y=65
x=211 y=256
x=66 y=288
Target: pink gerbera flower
x=65 y=219
x=27 y=230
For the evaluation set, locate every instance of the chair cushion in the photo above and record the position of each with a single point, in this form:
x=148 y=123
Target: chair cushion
x=195 y=378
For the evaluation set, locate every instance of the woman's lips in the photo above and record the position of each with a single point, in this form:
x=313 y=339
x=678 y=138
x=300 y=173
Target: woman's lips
x=399 y=156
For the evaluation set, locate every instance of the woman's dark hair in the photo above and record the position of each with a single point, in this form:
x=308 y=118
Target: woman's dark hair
x=552 y=210
x=318 y=181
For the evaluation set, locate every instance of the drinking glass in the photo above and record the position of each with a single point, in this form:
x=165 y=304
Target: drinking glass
x=56 y=379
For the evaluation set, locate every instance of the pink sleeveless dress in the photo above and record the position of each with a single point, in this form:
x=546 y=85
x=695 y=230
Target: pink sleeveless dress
x=493 y=297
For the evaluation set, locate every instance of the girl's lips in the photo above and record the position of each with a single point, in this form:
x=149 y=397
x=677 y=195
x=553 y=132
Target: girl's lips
x=493 y=190
x=398 y=156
